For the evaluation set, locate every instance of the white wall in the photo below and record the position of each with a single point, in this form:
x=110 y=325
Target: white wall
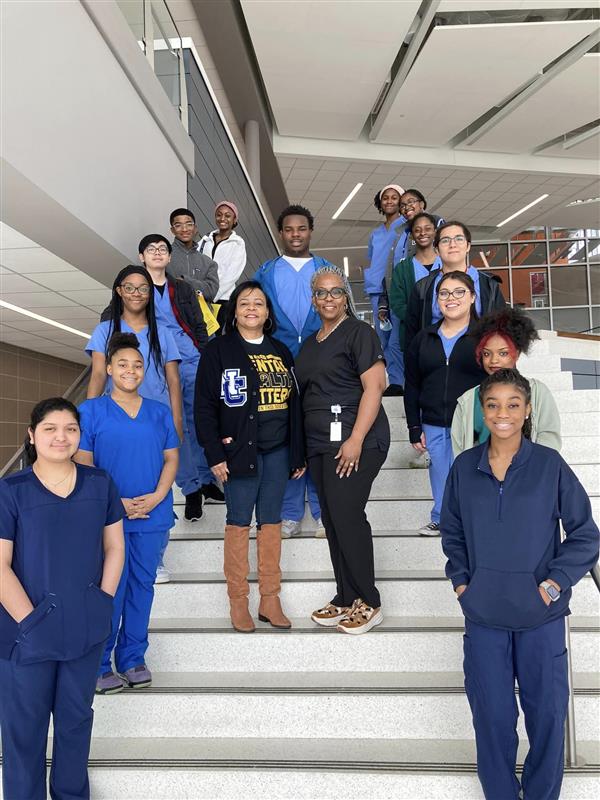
x=87 y=170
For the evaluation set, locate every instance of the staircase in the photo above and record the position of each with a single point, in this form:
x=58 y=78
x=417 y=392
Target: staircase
x=311 y=713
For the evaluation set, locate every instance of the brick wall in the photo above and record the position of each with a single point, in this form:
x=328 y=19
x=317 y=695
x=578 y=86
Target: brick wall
x=25 y=378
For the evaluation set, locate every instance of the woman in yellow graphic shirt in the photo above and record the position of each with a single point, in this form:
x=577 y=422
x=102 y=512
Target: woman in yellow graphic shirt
x=249 y=421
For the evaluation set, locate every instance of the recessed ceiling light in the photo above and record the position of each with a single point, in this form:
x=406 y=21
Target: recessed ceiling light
x=39 y=317
x=354 y=191
x=522 y=210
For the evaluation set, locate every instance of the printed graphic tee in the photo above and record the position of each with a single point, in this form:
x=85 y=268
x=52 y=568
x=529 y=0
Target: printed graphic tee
x=275 y=387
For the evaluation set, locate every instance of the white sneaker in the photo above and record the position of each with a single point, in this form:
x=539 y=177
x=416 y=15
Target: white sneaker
x=162 y=575
x=432 y=529
x=289 y=527
x=320 y=532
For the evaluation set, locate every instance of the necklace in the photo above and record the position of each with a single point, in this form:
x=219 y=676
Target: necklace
x=337 y=324
x=129 y=413
x=49 y=483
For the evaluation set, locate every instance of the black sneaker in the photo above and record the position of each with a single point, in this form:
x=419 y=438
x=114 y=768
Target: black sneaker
x=211 y=491
x=193 y=506
x=394 y=390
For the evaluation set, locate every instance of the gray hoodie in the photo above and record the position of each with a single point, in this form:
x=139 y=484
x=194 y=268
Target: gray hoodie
x=199 y=270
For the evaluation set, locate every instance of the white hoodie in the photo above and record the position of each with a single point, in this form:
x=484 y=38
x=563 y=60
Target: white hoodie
x=230 y=256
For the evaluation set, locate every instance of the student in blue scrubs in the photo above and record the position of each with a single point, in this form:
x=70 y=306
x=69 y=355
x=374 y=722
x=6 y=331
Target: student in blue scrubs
x=61 y=556
x=386 y=248
x=177 y=307
x=131 y=310
x=513 y=576
x=286 y=281
x=135 y=440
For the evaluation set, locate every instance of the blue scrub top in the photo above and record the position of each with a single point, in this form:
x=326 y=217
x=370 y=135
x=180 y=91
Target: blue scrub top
x=58 y=556
x=154 y=385
x=436 y=314
x=380 y=244
x=421 y=272
x=449 y=342
x=166 y=317
x=293 y=290
x=131 y=451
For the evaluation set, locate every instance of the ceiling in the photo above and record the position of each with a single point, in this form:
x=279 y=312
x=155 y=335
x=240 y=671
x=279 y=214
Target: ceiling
x=476 y=116
x=36 y=279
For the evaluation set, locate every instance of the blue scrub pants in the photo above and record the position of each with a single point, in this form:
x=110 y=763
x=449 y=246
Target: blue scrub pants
x=263 y=491
x=390 y=342
x=28 y=695
x=293 y=500
x=537 y=660
x=193 y=471
x=133 y=602
x=439 y=446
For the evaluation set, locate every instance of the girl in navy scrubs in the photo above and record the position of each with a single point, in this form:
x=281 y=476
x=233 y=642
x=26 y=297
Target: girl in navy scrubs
x=513 y=577
x=61 y=556
x=135 y=440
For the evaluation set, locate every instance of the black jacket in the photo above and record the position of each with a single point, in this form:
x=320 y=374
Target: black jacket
x=432 y=384
x=215 y=420
x=186 y=308
x=418 y=312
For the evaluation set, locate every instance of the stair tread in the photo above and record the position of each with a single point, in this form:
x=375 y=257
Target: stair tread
x=395 y=754
x=305 y=625
x=191 y=535
x=327 y=682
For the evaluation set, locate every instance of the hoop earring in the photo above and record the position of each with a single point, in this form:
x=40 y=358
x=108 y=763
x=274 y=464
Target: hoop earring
x=234 y=322
x=270 y=321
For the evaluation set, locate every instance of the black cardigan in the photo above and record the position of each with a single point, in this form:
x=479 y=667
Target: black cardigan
x=433 y=385
x=216 y=421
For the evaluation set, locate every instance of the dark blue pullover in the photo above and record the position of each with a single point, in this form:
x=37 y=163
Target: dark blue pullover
x=503 y=538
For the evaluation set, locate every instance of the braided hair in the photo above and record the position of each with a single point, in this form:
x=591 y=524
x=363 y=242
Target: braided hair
x=330 y=269
x=509 y=377
x=116 y=312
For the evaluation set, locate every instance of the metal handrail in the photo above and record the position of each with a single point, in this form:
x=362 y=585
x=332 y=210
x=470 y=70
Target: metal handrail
x=73 y=393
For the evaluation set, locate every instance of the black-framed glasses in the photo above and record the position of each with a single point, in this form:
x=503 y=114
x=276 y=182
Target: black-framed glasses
x=409 y=203
x=142 y=290
x=323 y=294
x=446 y=294
x=162 y=249
x=446 y=240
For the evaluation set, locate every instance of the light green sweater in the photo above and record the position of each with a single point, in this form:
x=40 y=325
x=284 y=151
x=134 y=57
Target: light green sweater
x=545 y=419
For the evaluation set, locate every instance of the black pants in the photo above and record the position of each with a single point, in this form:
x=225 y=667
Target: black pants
x=343 y=502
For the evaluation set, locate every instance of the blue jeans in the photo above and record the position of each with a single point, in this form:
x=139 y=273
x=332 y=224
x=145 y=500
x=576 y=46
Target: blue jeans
x=439 y=446
x=390 y=342
x=537 y=660
x=263 y=491
x=294 y=497
x=133 y=602
x=193 y=471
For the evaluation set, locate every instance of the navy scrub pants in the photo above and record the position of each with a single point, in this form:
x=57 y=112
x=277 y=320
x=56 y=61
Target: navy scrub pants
x=537 y=660
x=28 y=695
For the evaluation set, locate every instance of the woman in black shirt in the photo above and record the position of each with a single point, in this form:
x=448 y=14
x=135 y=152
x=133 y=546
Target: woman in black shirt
x=249 y=422
x=341 y=371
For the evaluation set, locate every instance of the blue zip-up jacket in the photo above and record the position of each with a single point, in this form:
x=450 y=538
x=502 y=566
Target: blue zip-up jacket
x=286 y=331
x=502 y=539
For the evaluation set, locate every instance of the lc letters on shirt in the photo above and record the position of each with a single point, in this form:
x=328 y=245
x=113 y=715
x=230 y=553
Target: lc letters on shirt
x=234 y=388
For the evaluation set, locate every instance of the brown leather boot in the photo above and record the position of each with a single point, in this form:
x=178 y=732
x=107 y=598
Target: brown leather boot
x=236 y=569
x=268 y=543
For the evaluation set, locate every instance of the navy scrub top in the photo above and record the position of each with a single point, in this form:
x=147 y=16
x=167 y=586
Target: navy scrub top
x=58 y=557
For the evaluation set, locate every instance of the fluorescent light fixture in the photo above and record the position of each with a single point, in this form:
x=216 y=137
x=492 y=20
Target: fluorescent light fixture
x=39 y=317
x=583 y=202
x=354 y=191
x=522 y=210
x=346 y=267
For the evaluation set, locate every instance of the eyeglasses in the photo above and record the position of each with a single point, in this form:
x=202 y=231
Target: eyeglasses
x=446 y=294
x=409 y=204
x=446 y=240
x=181 y=225
x=142 y=290
x=162 y=250
x=323 y=294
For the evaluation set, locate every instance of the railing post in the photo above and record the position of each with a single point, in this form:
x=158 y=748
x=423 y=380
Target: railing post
x=570 y=735
x=595 y=573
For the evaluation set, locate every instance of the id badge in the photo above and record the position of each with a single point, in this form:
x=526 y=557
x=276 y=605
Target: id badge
x=335 y=431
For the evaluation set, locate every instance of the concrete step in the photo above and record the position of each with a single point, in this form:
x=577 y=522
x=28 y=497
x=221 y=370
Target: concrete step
x=414 y=644
x=304 y=769
x=299 y=716
x=427 y=593
x=395 y=514
x=408 y=552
